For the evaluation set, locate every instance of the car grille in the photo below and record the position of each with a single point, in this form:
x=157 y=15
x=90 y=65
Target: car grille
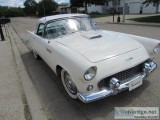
x=123 y=76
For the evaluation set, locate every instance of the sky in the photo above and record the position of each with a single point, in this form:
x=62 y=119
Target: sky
x=17 y=3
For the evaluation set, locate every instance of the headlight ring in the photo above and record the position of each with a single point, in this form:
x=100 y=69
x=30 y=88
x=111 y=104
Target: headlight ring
x=90 y=73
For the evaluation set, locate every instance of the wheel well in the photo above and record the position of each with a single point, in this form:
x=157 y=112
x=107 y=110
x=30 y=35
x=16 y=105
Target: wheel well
x=58 y=70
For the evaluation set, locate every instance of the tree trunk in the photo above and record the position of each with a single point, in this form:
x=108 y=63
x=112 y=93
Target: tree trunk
x=86 y=10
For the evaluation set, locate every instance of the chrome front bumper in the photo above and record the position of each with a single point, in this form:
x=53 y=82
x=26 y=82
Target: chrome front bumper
x=108 y=92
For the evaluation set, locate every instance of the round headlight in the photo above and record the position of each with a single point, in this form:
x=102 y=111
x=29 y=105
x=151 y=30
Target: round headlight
x=157 y=49
x=90 y=73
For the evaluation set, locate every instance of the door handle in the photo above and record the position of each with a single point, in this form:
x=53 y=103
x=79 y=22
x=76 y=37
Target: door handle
x=48 y=50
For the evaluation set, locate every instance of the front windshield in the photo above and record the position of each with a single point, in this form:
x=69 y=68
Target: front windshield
x=62 y=27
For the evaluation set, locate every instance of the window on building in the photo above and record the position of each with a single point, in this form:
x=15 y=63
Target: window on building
x=119 y=2
x=114 y=2
x=107 y=3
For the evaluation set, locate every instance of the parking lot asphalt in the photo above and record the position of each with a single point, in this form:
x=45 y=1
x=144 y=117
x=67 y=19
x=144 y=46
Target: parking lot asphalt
x=55 y=101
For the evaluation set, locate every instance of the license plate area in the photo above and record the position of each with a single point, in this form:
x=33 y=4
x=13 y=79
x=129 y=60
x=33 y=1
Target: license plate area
x=135 y=83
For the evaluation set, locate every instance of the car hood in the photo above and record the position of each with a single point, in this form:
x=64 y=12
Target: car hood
x=99 y=45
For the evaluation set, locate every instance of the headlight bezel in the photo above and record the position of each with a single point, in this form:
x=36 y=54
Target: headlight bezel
x=157 y=49
x=90 y=73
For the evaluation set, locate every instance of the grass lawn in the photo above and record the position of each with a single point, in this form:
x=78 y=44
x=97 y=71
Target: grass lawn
x=99 y=15
x=151 y=19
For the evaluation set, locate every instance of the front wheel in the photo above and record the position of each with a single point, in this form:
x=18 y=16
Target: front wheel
x=68 y=84
x=36 y=56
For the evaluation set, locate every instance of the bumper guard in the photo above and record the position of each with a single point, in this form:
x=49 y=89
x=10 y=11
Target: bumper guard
x=108 y=92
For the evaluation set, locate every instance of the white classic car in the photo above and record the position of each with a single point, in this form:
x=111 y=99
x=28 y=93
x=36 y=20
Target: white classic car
x=92 y=63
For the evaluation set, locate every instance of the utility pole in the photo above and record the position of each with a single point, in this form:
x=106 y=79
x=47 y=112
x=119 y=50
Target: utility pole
x=123 y=11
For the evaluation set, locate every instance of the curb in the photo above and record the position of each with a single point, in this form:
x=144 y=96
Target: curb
x=35 y=106
x=139 y=24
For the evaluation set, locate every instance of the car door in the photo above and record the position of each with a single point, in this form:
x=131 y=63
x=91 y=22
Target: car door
x=50 y=33
x=40 y=41
x=50 y=57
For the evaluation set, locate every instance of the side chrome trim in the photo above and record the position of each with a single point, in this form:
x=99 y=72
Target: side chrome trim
x=108 y=92
x=48 y=50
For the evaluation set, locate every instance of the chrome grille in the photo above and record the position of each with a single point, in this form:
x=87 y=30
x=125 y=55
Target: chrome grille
x=123 y=76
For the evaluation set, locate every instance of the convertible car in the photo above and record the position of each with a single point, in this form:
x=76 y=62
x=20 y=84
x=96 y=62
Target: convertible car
x=92 y=63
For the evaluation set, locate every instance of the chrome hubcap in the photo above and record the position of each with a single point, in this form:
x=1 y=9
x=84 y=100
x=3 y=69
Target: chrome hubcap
x=70 y=85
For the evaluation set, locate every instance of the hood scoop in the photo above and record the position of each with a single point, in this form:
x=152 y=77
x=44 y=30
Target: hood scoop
x=94 y=37
x=91 y=35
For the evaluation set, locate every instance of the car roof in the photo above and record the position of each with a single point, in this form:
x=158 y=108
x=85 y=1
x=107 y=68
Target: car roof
x=53 y=17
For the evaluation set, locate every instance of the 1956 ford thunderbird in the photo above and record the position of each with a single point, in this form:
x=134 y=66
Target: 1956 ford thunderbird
x=92 y=63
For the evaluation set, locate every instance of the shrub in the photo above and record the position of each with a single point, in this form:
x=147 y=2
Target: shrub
x=11 y=12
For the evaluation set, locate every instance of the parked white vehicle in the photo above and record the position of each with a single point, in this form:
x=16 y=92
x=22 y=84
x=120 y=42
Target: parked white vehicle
x=92 y=63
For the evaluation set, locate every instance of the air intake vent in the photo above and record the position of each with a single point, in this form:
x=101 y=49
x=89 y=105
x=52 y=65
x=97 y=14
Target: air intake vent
x=95 y=37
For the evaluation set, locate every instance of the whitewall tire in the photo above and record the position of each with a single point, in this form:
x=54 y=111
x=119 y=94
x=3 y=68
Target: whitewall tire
x=68 y=84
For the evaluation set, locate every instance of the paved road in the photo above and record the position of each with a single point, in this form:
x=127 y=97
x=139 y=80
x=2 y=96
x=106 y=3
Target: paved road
x=56 y=102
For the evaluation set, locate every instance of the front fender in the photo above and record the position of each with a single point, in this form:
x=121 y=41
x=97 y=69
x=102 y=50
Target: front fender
x=152 y=45
x=75 y=64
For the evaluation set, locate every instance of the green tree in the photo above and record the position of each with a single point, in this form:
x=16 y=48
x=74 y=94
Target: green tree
x=46 y=7
x=6 y=12
x=30 y=7
x=83 y=3
x=155 y=3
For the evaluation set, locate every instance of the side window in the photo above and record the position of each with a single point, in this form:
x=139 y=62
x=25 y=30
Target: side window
x=56 y=29
x=40 y=29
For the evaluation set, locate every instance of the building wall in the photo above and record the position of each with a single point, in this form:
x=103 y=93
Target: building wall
x=135 y=6
x=65 y=10
x=149 y=9
x=68 y=10
x=94 y=8
x=59 y=9
x=109 y=3
x=131 y=7
x=81 y=10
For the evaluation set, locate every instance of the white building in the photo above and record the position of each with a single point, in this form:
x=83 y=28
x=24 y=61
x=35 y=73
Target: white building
x=131 y=7
x=65 y=8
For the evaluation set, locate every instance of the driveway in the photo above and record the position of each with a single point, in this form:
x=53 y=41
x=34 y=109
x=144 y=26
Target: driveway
x=55 y=100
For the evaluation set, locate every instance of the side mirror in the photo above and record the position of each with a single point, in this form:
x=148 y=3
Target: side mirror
x=94 y=25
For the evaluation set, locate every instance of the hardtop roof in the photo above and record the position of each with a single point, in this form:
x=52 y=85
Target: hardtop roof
x=53 y=17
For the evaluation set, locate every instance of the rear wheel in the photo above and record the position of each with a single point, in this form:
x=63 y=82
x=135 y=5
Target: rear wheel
x=68 y=84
